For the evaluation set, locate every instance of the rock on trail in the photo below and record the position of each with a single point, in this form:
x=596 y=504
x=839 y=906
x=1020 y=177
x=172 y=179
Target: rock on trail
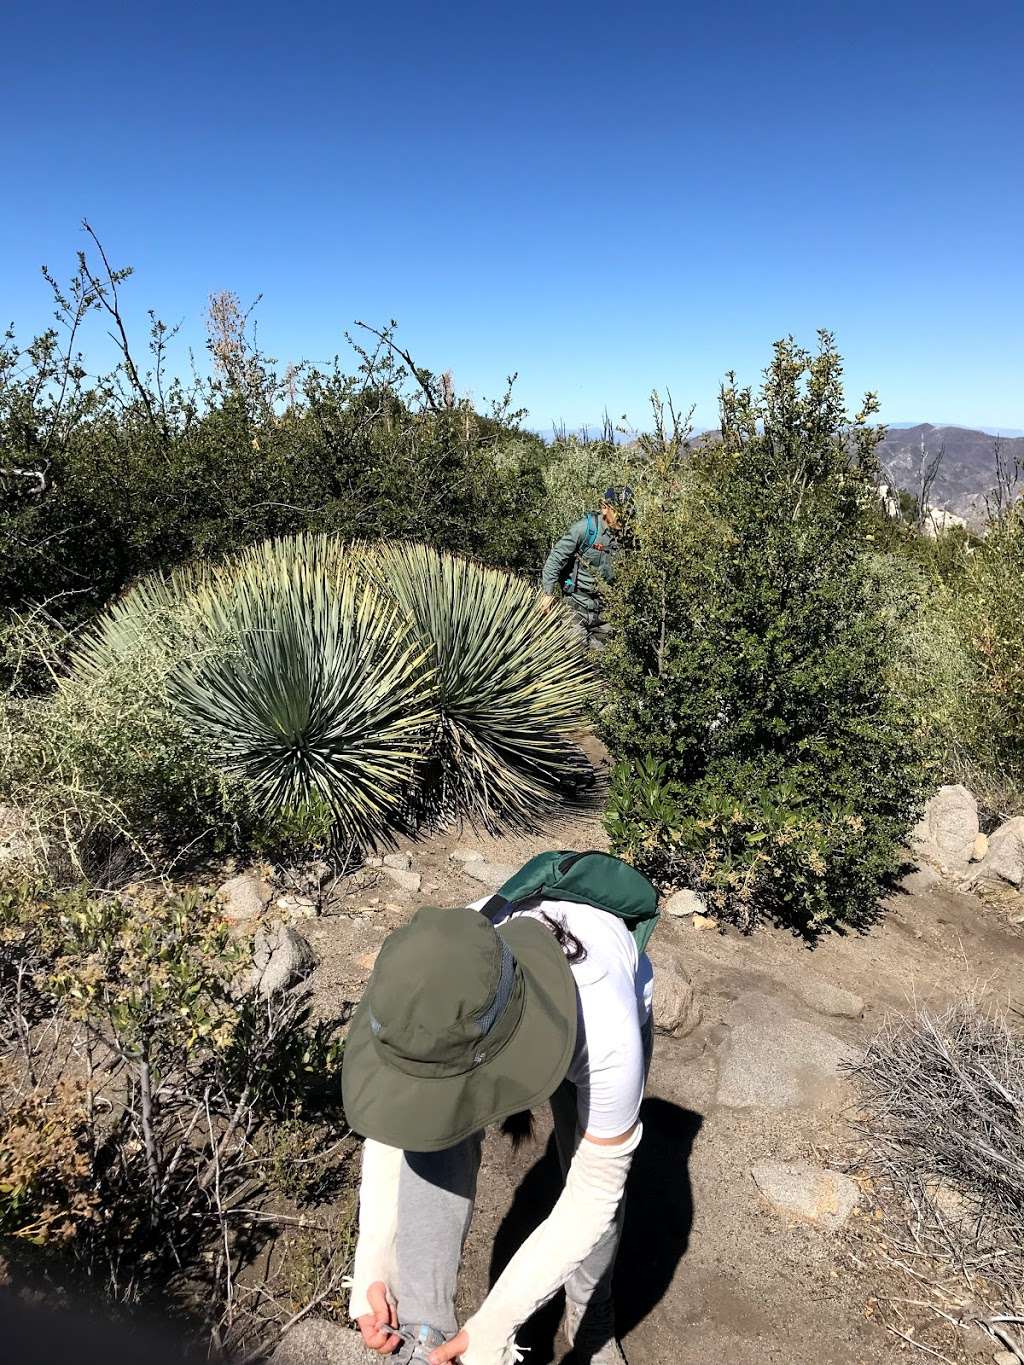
x=281 y=958
x=1004 y=855
x=772 y=1060
x=947 y=833
x=491 y=875
x=676 y=1010
x=245 y=897
x=319 y=1342
x=800 y=1190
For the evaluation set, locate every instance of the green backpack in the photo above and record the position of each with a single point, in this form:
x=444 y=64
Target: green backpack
x=591 y=878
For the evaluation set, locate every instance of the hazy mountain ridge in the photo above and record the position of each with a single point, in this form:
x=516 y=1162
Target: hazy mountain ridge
x=965 y=478
x=967 y=472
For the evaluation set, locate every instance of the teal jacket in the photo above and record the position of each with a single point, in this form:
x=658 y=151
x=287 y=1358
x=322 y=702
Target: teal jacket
x=575 y=567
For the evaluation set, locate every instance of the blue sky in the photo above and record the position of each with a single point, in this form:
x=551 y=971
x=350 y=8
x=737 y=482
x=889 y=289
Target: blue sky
x=603 y=197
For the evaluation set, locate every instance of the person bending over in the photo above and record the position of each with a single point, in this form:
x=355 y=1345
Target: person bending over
x=473 y=1015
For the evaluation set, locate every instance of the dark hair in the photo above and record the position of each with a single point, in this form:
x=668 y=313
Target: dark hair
x=568 y=942
x=519 y=1127
x=620 y=496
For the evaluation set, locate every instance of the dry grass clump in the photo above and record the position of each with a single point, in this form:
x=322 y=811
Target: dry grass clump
x=943 y=1119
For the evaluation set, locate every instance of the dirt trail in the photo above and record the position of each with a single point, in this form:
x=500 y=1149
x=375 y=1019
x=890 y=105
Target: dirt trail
x=708 y=1270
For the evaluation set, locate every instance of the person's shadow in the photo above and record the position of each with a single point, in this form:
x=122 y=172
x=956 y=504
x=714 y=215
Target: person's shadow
x=659 y=1216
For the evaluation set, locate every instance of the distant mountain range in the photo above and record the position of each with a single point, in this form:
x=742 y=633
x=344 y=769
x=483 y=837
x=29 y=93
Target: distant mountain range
x=967 y=472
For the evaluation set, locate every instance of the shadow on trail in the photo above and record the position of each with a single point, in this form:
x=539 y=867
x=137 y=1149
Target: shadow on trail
x=659 y=1216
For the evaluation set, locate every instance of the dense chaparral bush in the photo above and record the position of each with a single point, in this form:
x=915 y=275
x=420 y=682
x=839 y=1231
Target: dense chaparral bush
x=104 y=478
x=763 y=752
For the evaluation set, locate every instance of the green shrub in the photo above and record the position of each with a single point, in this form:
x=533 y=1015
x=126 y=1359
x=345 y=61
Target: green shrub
x=989 y=621
x=108 y=476
x=763 y=752
x=931 y=665
x=105 y=760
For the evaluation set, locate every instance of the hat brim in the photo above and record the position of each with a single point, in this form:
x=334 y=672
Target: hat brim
x=421 y=1114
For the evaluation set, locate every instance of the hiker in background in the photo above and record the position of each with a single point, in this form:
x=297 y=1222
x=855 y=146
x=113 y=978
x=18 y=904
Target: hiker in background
x=584 y=557
x=472 y=1016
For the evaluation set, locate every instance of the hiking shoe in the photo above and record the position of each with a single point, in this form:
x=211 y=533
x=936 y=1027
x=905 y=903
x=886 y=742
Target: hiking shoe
x=590 y=1331
x=418 y=1340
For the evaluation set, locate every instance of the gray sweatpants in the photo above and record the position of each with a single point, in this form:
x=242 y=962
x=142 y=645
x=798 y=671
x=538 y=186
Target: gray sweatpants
x=435 y=1207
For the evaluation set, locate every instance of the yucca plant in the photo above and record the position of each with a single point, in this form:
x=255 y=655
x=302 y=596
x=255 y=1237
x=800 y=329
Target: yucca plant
x=317 y=692
x=511 y=683
x=290 y=674
x=353 y=683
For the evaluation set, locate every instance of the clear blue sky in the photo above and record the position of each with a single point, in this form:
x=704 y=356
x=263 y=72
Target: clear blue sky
x=604 y=197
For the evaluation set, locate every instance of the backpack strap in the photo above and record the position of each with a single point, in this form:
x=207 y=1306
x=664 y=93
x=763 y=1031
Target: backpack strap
x=589 y=541
x=495 y=909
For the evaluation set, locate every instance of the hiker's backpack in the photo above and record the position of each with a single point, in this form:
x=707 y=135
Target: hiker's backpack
x=590 y=878
x=589 y=541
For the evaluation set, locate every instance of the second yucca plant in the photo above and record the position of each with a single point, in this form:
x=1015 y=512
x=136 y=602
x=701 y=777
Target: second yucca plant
x=511 y=683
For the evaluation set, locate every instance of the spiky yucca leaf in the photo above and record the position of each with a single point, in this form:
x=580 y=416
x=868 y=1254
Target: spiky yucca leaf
x=320 y=692
x=511 y=682
x=153 y=621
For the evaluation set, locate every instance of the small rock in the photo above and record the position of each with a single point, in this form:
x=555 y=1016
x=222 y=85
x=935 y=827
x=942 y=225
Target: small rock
x=318 y=1342
x=980 y=848
x=281 y=957
x=245 y=896
x=947 y=832
x=922 y=879
x=1004 y=860
x=303 y=909
x=465 y=855
x=1017 y=919
x=826 y=998
x=491 y=875
x=408 y=881
x=676 y=1009
x=366 y=960
x=373 y=862
x=685 y=903
x=800 y=1190
x=703 y=922
x=1006 y=1358
x=297 y=907
x=400 y=862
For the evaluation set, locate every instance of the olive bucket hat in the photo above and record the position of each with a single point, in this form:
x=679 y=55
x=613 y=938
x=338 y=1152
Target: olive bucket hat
x=461 y=1025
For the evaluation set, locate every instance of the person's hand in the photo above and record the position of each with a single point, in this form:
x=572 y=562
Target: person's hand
x=382 y=1315
x=545 y=604
x=451 y=1350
